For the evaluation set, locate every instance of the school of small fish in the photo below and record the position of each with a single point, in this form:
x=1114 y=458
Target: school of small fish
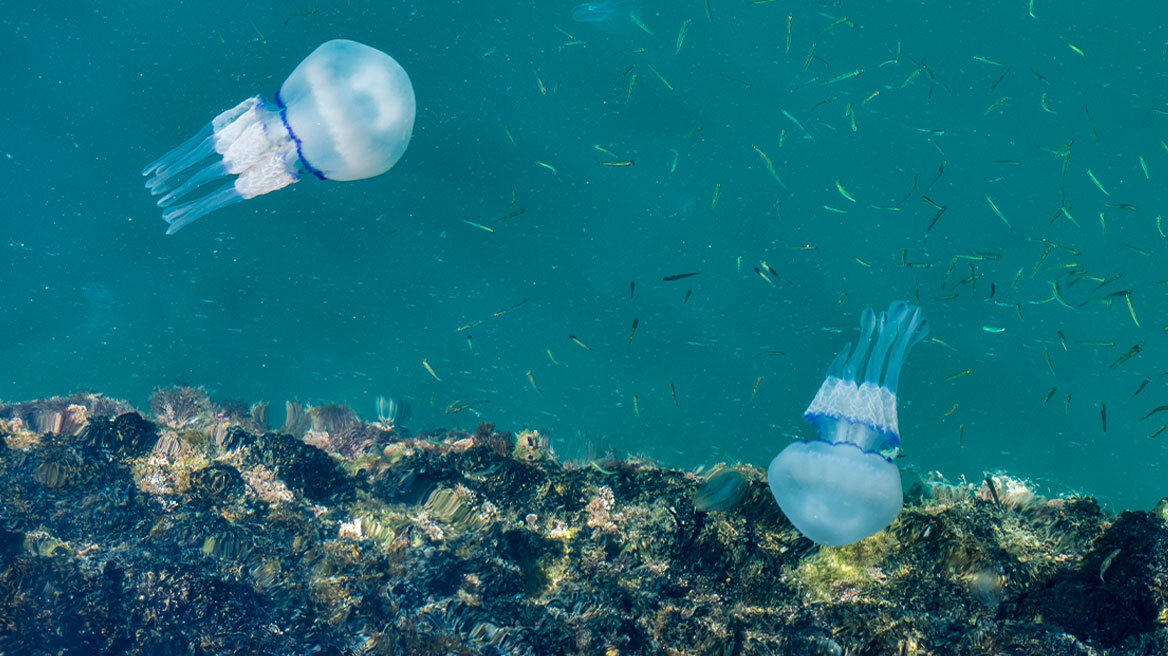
x=1049 y=282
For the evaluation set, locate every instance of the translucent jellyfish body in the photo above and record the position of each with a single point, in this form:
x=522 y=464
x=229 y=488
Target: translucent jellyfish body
x=345 y=113
x=843 y=486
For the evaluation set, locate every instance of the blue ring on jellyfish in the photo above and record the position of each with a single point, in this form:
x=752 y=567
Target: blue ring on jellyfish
x=299 y=145
x=842 y=487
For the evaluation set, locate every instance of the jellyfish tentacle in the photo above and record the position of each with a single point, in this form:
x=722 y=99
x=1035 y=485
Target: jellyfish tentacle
x=182 y=215
x=194 y=144
x=911 y=329
x=876 y=361
x=867 y=325
x=212 y=171
x=836 y=370
x=166 y=176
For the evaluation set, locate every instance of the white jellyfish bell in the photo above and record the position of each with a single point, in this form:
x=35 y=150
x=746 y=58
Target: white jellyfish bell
x=345 y=113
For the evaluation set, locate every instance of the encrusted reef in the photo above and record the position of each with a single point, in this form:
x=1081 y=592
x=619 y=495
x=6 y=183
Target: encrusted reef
x=197 y=530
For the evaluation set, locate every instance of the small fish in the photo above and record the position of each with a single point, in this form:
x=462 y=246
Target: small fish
x=636 y=406
x=997 y=211
x=993 y=490
x=1103 y=567
x=1103 y=416
x=754 y=392
x=1017 y=276
x=548 y=167
x=531 y=379
x=1131 y=309
x=431 y=370
x=936 y=217
x=1131 y=353
x=769 y=165
x=1050 y=395
x=579 y=343
x=1160 y=430
x=1042 y=102
x=632 y=288
x=843 y=192
x=1057 y=295
x=1141 y=387
x=717 y=193
x=845 y=76
x=993 y=329
x=508 y=309
x=996 y=104
x=1154 y=411
x=1098 y=183
x=1063 y=339
x=636 y=20
x=673 y=390
x=513 y=214
x=552 y=357
x=1049 y=361
x=632 y=332
x=478 y=225
x=957 y=375
x=688 y=293
x=985 y=60
x=795 y=120
x=911 y=76
x=459 y=405
x=681 y=35
x=951 y=410
x=679 y=276
x=660 y=77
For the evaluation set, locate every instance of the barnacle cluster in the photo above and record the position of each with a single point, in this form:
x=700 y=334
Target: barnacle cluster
x=185 y=532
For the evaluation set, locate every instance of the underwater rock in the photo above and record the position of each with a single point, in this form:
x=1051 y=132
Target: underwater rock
x=133 y=537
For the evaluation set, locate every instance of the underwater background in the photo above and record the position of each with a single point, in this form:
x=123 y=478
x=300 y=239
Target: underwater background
x=796 y=155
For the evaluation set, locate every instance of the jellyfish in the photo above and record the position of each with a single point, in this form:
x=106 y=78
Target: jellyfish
x=611 y=15
x=843 y=486
x=345 y=113
x=595 y=12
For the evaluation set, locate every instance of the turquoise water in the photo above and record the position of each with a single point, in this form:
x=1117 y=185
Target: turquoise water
x=337 y=292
